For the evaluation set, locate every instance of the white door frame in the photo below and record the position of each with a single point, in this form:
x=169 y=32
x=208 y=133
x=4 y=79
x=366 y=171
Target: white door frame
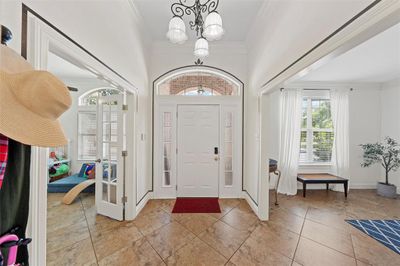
x=168 y=104
x=219 y=147
x=41 y=39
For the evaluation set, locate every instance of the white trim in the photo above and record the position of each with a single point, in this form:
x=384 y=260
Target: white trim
x=169 y=103
x=42 y=39
x=251 y=203
x=196 y=71
x=144 y=201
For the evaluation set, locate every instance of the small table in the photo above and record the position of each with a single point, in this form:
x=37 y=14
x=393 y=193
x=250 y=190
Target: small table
x=322 y=179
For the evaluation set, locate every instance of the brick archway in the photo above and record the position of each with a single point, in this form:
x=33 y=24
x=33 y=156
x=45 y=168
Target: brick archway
x=215 y=83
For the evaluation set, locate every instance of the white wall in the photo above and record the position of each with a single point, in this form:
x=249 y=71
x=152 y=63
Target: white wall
x=364 y=128
x=110 y=30
x=281 y=34
x=229 y=56
x=390 y=120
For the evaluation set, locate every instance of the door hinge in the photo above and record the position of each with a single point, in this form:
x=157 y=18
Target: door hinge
x=124 y=199
x=124 y=153
x=176 y=150
x=124 y=107
x=176 y=187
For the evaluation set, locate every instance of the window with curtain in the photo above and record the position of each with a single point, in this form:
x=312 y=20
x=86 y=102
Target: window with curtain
x=316 y=131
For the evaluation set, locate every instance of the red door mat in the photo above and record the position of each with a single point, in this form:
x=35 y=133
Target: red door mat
x=196 y=205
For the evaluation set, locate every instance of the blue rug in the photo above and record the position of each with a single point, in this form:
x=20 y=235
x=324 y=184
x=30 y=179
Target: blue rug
x=385 y=231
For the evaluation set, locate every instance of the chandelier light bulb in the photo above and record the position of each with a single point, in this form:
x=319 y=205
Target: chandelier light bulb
x=201 y=48
x=177 y=31
x=213 y=29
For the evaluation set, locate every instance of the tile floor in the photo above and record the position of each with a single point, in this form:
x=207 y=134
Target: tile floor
x=309 y=231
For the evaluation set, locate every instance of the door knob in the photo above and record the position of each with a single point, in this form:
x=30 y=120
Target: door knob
x=216 y=158
x=98 y=161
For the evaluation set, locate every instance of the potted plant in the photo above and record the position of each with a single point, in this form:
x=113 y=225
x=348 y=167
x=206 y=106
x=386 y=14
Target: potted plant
x=387 y=154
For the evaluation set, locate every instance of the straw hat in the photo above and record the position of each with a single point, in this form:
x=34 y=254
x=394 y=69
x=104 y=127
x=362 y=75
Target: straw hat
x=30 y=102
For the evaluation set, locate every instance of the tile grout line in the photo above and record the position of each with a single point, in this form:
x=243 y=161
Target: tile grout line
x=90 y=233
x=145 y=238
x=301 y=232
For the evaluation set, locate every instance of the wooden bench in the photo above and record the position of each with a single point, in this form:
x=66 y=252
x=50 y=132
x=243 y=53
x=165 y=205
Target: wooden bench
x=322 y=179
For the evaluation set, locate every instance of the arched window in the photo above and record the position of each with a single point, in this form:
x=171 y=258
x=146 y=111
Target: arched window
x=90 y=98
x=198 y=83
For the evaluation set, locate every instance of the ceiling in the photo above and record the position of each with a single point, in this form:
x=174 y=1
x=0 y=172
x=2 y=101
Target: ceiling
x=237 y=17
x=376 y=60
x=63 y=69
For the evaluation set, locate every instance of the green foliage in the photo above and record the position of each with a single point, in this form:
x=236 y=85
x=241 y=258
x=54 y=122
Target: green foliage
x=387 y=154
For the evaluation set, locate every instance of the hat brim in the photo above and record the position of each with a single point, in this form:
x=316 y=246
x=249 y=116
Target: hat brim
x=25 y=126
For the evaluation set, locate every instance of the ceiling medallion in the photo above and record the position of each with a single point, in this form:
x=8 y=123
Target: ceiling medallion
x=207 y=30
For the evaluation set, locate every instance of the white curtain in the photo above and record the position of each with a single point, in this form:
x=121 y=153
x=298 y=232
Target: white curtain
x=289 y=143
x=340 y=119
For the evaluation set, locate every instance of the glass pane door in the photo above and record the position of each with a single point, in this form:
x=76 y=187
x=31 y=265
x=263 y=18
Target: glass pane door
x=109 y=165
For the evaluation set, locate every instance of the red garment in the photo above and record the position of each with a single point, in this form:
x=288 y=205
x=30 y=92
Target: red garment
x=3 y=156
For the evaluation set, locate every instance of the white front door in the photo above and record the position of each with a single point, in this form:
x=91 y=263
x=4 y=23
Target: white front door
x=109 y=165
x=198 y=150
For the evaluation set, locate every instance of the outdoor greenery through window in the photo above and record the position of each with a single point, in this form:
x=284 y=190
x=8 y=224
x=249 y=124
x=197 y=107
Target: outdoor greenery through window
x=317 y=131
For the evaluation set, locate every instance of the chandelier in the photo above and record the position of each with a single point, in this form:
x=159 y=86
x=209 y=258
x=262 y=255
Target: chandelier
x=207 y=30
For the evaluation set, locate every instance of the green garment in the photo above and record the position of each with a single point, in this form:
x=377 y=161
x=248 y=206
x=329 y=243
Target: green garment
x=14 y=195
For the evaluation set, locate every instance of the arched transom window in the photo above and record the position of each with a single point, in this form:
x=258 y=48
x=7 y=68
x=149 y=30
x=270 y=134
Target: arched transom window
x=198 y=84
x=90 y=98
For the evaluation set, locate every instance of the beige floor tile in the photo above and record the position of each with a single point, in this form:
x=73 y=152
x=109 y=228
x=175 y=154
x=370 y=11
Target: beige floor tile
x=252 y=253
x=224 y=238
x=167 y=205
x=241 y=220
x=107 y=242
x=87 y=199
x=198 y=222
x=360 y=263
x=100 y=223
x=54 y=199
x=328 y=236
x=148 y=222
x=310 y=253
x=294 y=263
x=151 y=206
x=196 y=253
x=370 y=251
x=63 y=220
x=80 y=253
x=169 y=239
x=226 y=205
x=137 y=253
x=293 y=205
x=290 y=221
x=329 y=217
x=67 y=236
x=276 y=238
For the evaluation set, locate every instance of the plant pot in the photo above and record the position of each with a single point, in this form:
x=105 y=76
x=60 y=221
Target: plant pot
x=385 y=190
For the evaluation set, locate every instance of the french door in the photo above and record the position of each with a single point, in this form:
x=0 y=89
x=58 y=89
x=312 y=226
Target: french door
x=198 y=151
x=110 y=163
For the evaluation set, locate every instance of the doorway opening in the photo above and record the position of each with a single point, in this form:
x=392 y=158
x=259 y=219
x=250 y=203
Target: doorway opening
x=197 y=138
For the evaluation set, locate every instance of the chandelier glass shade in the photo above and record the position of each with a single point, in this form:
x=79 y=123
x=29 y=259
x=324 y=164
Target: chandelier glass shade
x=209 y=29
x=177 y=31
x=213 y=29
x=201 y=48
